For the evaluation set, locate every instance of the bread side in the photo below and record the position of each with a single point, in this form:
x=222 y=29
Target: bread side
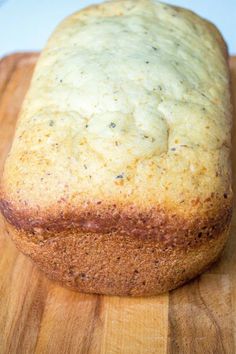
x=115 y=264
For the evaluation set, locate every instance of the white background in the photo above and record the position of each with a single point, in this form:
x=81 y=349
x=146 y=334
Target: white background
x=26 y=24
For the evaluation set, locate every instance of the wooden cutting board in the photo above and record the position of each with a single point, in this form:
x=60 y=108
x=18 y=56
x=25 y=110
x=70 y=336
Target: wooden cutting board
x=38 y=316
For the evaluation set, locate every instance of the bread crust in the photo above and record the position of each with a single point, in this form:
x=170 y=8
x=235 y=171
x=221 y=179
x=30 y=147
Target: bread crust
x=169 y=228
x=115 y=264
x=134 y=254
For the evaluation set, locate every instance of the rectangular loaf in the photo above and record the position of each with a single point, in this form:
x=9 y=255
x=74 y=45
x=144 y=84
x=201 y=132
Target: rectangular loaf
x=123 y=144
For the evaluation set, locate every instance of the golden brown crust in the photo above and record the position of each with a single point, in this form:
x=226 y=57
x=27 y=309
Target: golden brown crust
x=156 y=224
x=117 y=254
x=117 y=264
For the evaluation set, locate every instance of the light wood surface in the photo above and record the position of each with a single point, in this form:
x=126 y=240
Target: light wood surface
x=38 y=316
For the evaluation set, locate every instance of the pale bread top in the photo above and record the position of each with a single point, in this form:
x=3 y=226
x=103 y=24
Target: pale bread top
x=129 y=103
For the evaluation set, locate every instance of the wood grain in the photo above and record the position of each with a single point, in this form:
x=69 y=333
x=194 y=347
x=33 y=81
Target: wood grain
x=71 y=322
x=38 y=316
x=200 y=317
x=135 y=325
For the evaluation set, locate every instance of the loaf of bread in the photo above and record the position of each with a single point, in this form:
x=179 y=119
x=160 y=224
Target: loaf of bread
x=119 y=179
